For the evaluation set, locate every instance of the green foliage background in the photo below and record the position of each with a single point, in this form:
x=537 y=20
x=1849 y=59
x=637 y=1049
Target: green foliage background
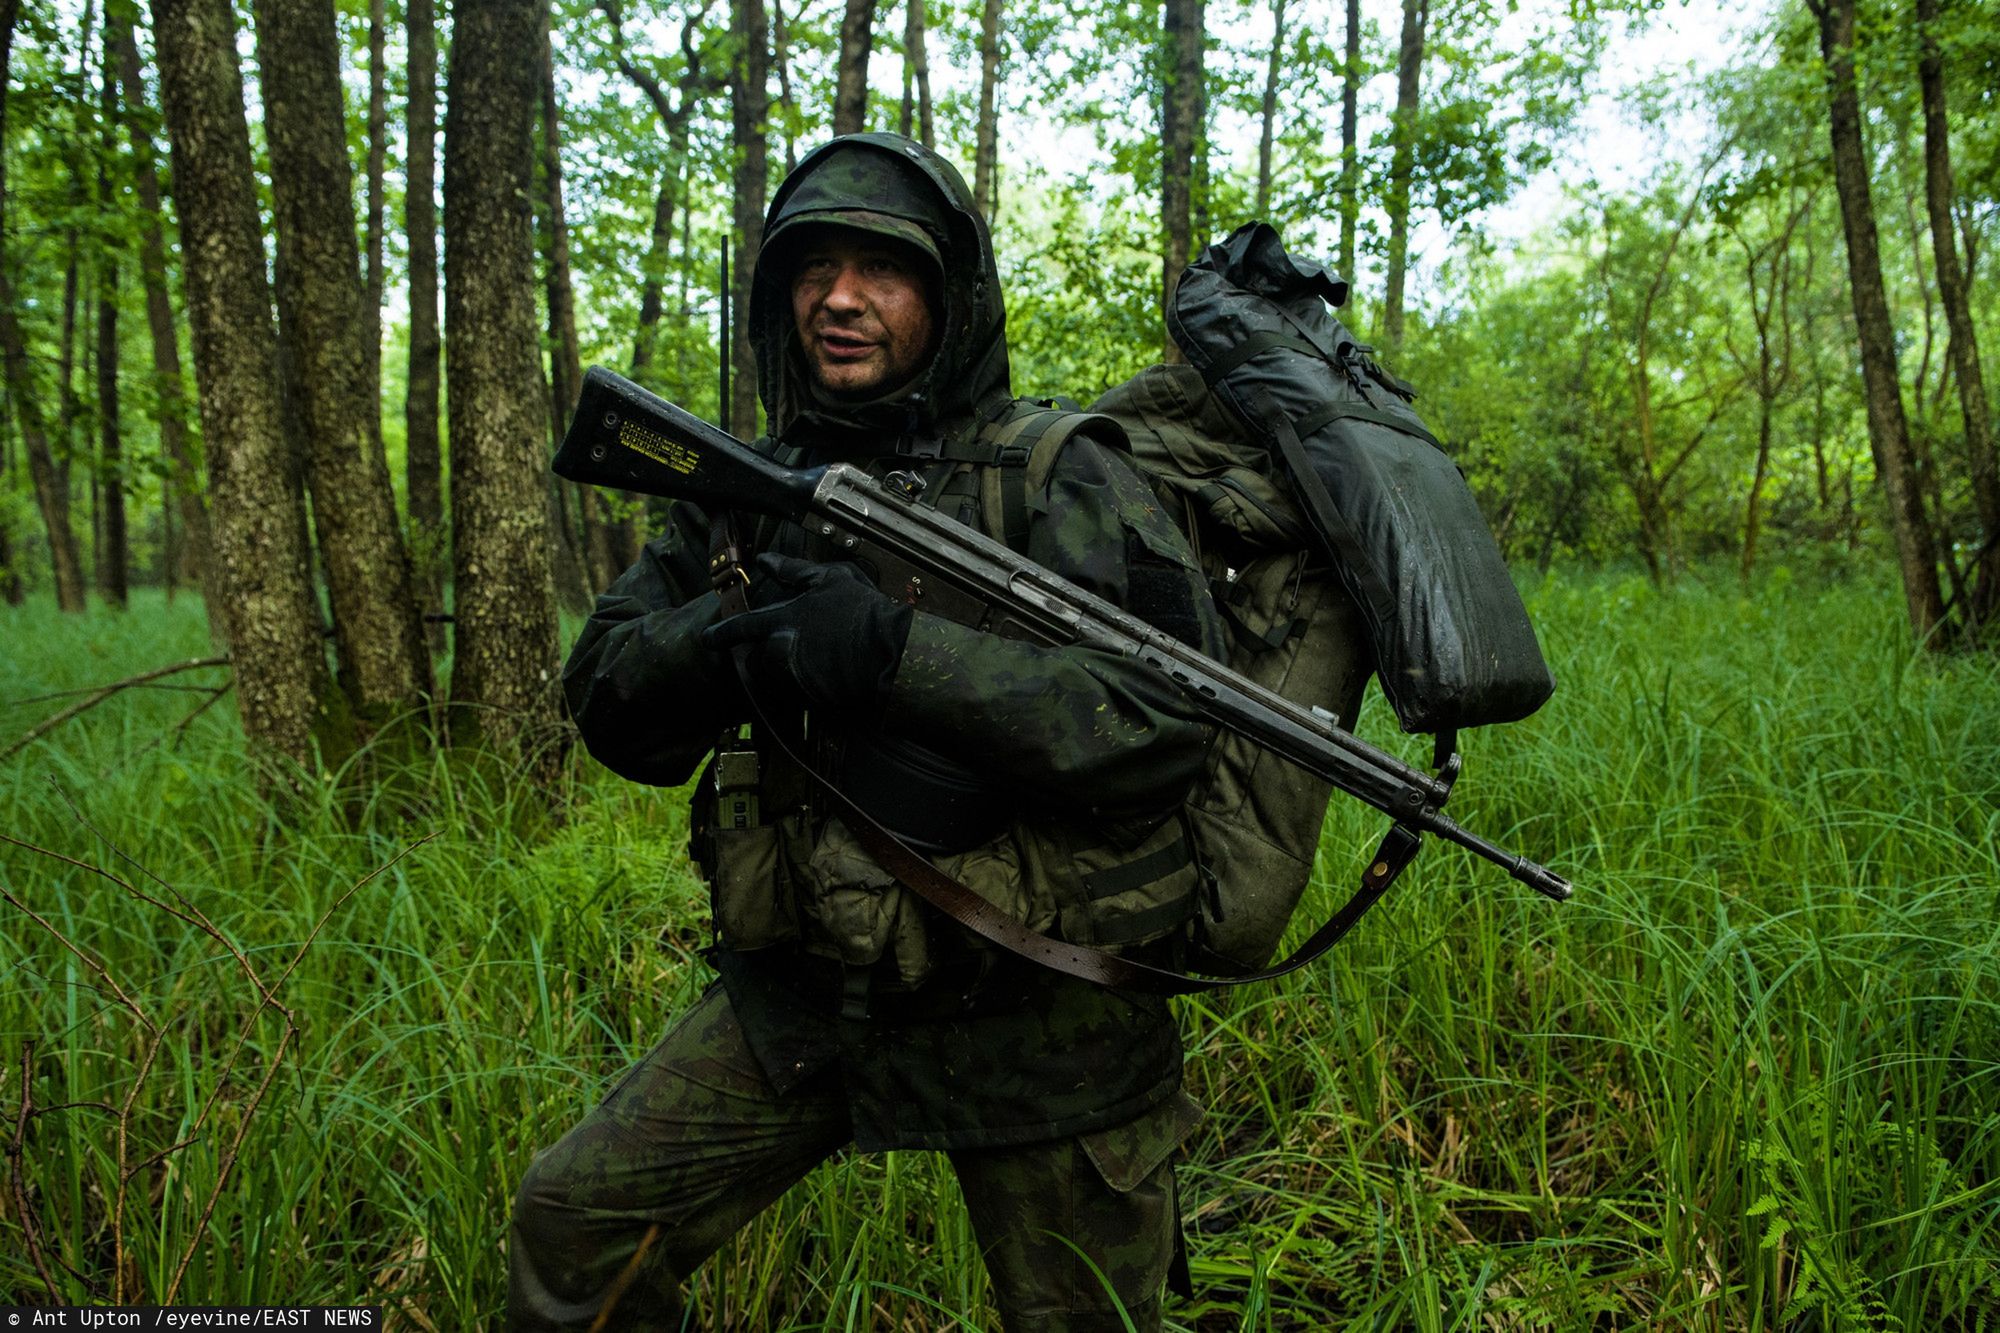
x=1743 y=1082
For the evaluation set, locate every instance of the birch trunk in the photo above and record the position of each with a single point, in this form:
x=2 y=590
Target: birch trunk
x=378 y=632
x=503 y=686
x=1888 y=432
x=259 y=570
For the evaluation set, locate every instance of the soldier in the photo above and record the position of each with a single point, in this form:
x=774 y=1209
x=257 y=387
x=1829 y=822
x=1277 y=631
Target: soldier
x=1046 y=779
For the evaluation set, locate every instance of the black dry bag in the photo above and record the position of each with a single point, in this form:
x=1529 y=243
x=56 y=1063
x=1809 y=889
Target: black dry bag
x=1452 y=641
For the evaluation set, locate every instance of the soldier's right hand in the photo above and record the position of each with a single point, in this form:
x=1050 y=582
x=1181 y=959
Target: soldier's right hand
x=820 y=634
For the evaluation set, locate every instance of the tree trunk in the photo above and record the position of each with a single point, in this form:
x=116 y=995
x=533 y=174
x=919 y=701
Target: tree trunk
x=1888 y=433
x=258 y=572
x=623 y=529
x=1775 y=367
x=566 y=355
x=424 y=462
x=181 y=472
x=659 y=255
x=71 y=404
x=749 y=108
x=378 y=151
x=113 y=553
x=986 y=150
x=1350 y=151
x=1953 y=292
x=674 y=122
x=1180 y=124
x=170 y=556
x=592 y=554
x=1752 y=508
x=1272 y=69
x=781 y=64
x=565 y=527
x=503 y=685
x=850 y=94
x=378 y=632
x=917 y=72
x=51 y=494
x=1402 y=165
x=13 y=589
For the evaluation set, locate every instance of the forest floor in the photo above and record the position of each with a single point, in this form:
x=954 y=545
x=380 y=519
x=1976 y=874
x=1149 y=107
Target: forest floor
x=1745 y=1080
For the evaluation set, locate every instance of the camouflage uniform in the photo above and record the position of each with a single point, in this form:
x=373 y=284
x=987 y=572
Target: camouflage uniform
x=846 y=1009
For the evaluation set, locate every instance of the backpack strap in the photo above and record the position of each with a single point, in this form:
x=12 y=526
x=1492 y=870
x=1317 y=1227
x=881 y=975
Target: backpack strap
x=1026 y=443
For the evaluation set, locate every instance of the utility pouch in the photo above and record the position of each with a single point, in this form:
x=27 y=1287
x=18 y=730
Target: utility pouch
x=752 y=903
x=750 y=899
x=738 y=777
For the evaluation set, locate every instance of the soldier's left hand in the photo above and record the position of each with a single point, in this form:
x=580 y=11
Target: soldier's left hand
x=817 y=632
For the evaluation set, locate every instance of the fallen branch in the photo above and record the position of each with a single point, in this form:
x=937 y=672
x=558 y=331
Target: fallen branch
x=179 y=730
x=100 y=694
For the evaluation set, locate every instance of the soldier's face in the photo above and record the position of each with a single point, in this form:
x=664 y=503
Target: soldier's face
x=863 y=316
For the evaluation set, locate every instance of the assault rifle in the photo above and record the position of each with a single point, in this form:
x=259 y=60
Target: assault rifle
x=629 y=439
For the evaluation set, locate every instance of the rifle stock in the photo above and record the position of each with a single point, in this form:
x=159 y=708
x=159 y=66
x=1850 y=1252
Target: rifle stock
x=624 y=437
x=629 y=439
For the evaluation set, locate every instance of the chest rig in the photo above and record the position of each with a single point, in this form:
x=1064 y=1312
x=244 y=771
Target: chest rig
x=990 y=482
x=1052 y=889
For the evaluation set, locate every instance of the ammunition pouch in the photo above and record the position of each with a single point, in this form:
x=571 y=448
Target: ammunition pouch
x=741 y=856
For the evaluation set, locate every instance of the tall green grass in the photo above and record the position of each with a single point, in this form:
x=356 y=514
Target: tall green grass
x=1745 y=1081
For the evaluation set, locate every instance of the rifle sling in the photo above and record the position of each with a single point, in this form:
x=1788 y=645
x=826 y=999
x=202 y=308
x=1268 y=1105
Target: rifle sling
x=965 y=905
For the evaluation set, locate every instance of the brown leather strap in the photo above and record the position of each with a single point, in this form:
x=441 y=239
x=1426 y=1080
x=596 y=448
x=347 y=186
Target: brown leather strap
x=972 y=911
x=982 y=918
x=726 y=573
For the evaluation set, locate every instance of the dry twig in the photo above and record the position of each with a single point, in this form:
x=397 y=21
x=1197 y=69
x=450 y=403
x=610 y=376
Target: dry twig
x=228 y=1163
x=99 y=695
x=29 y=1231
x=267 y=998
x=178 y=732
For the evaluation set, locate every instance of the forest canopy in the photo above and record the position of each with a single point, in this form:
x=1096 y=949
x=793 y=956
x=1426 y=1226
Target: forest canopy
x=1723 y=313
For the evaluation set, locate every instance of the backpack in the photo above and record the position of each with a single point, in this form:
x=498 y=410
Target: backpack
x=1339 y=539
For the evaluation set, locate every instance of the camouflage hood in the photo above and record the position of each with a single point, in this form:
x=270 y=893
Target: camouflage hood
x=898 y=187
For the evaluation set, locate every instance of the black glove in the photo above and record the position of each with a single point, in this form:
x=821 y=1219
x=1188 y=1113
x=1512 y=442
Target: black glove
x=820 y=633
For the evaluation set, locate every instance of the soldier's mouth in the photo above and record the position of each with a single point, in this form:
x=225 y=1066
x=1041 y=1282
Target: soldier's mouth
x=846 y=347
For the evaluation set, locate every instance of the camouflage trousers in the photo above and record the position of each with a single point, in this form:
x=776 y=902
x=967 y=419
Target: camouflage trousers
x=694 y=1142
